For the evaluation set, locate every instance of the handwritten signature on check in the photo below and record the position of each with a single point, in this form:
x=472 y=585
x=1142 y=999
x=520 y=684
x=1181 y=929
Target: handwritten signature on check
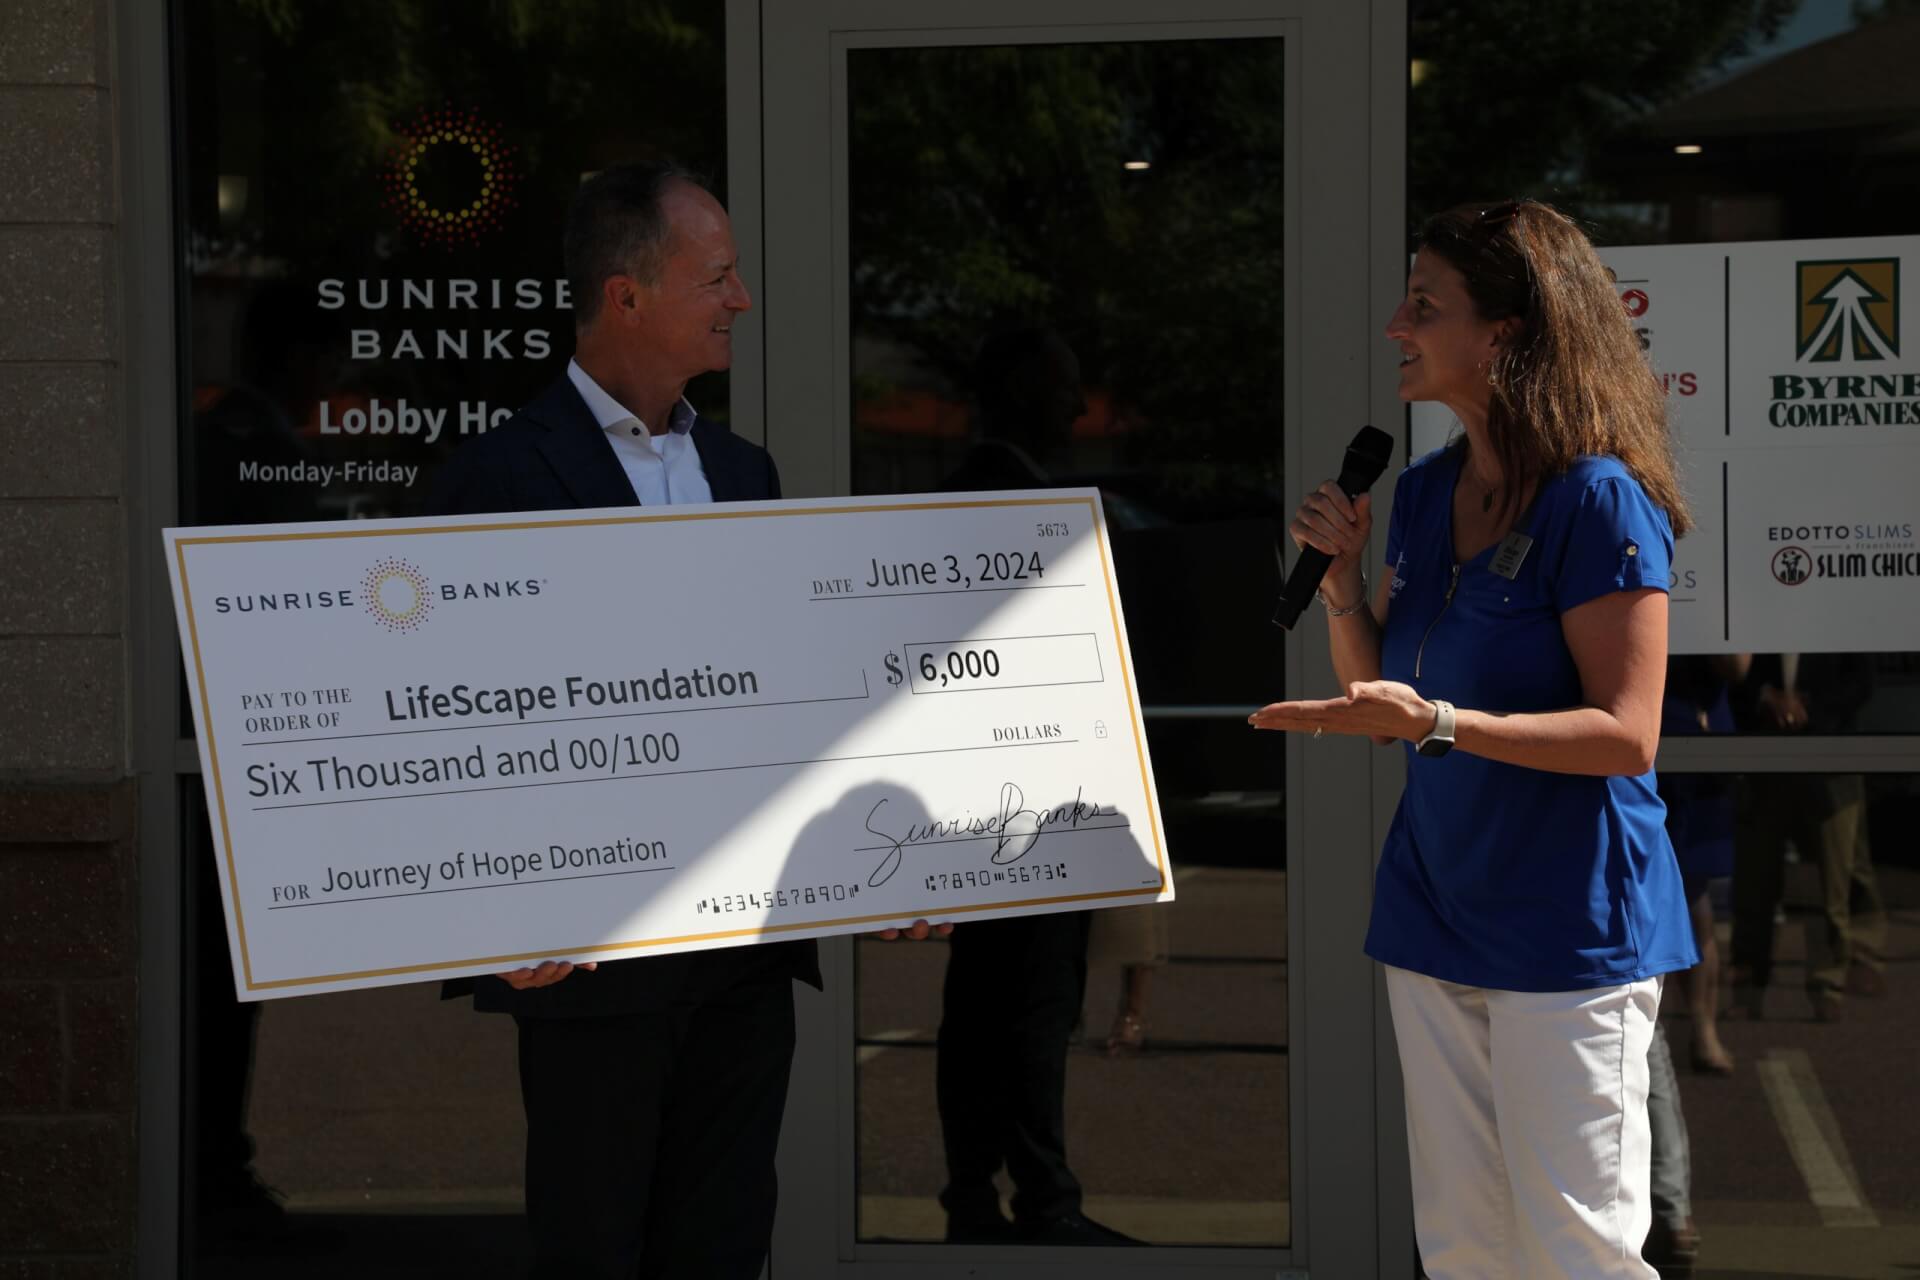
x=1014 y=828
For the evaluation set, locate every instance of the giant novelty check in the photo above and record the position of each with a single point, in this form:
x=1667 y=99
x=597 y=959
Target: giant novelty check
x=450 y=746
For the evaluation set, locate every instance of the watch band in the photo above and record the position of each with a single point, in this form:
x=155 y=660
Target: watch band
x=1439 y=739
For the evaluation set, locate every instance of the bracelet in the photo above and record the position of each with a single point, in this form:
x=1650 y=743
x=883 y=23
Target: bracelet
x=1355 y=607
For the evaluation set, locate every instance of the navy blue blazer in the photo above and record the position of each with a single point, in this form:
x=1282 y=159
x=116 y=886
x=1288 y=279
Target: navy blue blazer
x=553 y=456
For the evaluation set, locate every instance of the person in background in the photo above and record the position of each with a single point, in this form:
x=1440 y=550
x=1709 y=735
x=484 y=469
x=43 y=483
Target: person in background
x=1527 y=903
x=1014 y=987
x=1673 y=1241
x=1824 y=817
x=1700 y=820
x=1135 y=938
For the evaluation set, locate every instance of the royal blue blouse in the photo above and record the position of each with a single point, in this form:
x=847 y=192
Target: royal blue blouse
x=1496 y=875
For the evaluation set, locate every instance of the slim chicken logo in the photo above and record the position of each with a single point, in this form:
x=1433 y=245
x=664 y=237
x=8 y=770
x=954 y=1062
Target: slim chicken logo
x=1848 y=310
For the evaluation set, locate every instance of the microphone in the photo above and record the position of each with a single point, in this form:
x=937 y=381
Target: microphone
x=1367 y=457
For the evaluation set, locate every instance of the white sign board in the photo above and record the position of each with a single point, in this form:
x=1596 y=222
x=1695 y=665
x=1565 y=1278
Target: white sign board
x=1792 y=372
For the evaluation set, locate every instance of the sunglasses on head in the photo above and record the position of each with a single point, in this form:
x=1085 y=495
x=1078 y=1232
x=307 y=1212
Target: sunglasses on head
x=1494 y=214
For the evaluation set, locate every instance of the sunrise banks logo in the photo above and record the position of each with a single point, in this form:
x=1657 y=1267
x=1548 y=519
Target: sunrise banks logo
x=451 y=177
x=397 y=594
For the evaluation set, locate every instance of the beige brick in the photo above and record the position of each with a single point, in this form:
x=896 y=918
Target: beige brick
x=100 y=1065
x=58 y=435
x=62 y=571
x=30 y=1049
x=52 y=42
x=53 y=293
x=53 y=814
x=56 y=152
x=65 y=912
x=62 y=702
x=67 y=1267
x=66 y=1185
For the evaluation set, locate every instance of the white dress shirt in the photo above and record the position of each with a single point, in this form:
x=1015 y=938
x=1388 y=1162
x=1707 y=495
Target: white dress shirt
x=664 y=468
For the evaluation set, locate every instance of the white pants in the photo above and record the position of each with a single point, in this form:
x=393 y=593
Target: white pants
x=1527 y=1126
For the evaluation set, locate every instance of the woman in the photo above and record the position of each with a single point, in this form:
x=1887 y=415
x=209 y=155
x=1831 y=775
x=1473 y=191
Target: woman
x=1527 y=901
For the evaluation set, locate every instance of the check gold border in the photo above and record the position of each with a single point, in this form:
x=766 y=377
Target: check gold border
x=181 y=543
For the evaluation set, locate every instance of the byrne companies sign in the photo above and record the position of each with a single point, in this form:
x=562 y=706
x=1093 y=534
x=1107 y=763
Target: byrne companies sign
x=1793 y=388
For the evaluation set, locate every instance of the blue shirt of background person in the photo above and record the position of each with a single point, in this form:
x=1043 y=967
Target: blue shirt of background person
x=1495 y=875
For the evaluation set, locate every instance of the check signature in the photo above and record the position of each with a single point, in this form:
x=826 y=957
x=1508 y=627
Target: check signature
x=1013 y=828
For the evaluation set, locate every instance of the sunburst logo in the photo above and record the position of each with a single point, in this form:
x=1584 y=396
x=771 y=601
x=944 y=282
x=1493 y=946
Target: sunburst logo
x=451 y=178
x=1848 y=310
x=398 y=595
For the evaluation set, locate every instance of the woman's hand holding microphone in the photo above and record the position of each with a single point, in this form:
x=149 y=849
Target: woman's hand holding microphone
x=1384 y=710
x=1331 y=522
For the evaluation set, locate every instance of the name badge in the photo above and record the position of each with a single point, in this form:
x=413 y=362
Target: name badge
x=1513 y=551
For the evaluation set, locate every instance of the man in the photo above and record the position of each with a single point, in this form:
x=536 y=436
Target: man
x=654 y=1087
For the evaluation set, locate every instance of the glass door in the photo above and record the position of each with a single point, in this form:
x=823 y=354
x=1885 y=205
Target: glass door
x=396 y=267
x=1075 y=254
x=1066 y=266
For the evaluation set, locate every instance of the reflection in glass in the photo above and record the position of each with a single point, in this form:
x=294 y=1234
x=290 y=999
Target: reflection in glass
x=372 y=196
x=1810 y=888
x=1677 y=122
x=1066 y=269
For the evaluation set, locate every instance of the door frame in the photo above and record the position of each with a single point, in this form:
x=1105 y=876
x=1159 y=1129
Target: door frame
x=1347 y=78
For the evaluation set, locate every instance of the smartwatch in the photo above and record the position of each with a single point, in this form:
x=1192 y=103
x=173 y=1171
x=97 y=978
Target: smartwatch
x=1439 y=739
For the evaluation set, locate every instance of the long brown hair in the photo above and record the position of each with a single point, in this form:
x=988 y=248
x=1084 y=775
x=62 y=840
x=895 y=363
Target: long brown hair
x=1572 y=381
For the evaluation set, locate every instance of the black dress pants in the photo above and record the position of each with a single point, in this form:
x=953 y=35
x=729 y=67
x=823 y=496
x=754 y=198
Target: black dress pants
x=651 y=1135
x=1013 y=993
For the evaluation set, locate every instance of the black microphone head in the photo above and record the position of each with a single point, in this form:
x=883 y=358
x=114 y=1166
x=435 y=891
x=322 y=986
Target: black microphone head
x=1367 y=457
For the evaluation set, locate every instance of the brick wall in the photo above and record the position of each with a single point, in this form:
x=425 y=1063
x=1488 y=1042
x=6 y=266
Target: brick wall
x=66 y=1030
x=67 y=866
